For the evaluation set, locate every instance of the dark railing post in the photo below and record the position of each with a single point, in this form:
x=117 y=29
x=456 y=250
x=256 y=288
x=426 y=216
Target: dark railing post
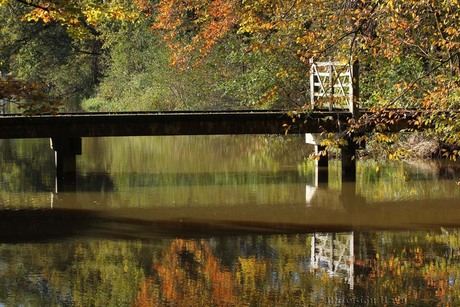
x=354 y=105
x=66 y=151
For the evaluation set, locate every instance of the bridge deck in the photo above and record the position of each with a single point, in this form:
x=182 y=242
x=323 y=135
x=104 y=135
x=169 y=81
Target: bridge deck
x=169 y=123
x=158 y=123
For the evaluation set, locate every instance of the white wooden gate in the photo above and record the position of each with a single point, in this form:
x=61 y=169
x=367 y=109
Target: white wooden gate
x=334 y=85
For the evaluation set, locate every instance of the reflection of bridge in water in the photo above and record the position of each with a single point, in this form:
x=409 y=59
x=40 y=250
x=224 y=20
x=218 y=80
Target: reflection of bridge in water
x=333 y=253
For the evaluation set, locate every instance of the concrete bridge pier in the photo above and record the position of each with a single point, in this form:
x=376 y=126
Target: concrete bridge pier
x=321 y=167
x=66 y=151
x=348 y=159
x=322 y=161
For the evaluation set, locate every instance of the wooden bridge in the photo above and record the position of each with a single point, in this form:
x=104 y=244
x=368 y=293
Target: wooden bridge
x=164 y=123
x=72 y=125
x=333 y=84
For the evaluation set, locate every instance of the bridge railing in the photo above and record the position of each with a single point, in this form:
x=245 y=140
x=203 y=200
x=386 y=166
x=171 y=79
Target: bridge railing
x=334 y=84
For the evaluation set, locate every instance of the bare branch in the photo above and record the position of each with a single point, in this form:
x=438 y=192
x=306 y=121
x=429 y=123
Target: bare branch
x=33 y=5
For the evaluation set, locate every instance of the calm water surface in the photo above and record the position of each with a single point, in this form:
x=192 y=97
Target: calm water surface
x=224 y=221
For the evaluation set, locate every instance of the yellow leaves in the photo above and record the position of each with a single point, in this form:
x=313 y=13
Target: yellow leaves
x=96 y=14
x=392 y=156
x=93 y=15
x=383 y=137
x=398 y=154
x=390 y=4
x=252 y=23
x=452 y=31
x=37 y=15
x=78 y=16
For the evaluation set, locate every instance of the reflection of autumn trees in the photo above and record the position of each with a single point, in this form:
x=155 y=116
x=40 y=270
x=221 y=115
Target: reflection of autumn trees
x=442 y=273
x=416 y=268
x=265 y=271
x=395 y=181
x=190 y=275
x=412 y=268
x=72 y=273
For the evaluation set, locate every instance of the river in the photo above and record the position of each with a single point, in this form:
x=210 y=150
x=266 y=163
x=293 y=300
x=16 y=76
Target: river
x=224 y=221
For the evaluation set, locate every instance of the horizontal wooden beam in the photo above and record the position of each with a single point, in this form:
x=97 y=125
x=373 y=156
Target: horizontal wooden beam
x=175 y=123
x=169 y=123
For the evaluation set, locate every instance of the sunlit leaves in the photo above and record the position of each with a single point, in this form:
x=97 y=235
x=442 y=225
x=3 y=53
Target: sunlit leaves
x=60 y=44
x=395 y=34
x=80 y=17
x=192 y=28
x=408 y=50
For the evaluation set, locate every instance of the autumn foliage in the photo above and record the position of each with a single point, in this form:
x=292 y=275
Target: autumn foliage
x=377 y=33
x=192 y=28
x=409 y=51
x=189 y=275
x=366 y=29
x=31 y=98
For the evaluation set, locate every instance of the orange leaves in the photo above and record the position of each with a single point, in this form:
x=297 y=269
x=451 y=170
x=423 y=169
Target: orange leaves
x=192 y=28
x=30 y=97
x=39 y=14
x=217 y=23
x=423 y=26
x=391 y=5
x=310 y=28
x=188 y=272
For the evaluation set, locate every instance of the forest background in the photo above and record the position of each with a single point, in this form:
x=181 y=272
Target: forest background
x=225 y=54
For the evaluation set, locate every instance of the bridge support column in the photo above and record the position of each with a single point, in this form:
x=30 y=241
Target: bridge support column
x=66 y=151
x=321 y=167
x=349 y=160
x=321 y=164
x=322 y=160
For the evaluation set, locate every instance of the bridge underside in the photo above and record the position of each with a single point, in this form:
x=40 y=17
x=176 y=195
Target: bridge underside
x=176 y=123
x=167 y=123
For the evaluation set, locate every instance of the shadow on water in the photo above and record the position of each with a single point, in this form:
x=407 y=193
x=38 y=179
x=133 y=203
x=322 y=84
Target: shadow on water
x=326 y=211
x=95 y=182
